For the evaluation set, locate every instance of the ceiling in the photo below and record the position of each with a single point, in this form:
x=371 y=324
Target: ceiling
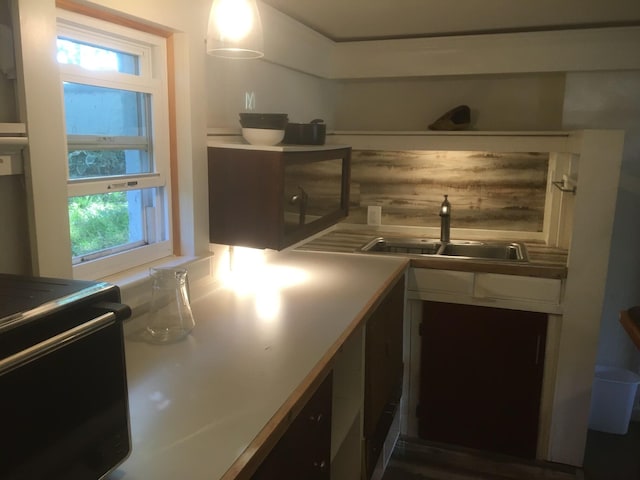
x=348 y=20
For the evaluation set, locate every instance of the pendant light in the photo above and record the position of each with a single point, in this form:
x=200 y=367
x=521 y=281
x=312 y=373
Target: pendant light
x=235 y=29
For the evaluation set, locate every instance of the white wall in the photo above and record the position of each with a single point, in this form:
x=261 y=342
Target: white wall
x=497 y=102
x=7 y=100
x=612 y=100
x=276 y=89
x=14 y=240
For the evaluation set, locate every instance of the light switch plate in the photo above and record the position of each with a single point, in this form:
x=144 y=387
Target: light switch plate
x=374 y=215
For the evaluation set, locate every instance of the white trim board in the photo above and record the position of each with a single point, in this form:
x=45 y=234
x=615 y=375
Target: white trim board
x=293 y=45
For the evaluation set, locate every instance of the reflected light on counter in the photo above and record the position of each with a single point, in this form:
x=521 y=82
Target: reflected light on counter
x=268 y=304
x=249 y=273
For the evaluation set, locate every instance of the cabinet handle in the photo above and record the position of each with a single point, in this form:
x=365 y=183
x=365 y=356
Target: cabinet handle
x=321 y=465
x=538 y=341
x=301 y=199
x=317 y=418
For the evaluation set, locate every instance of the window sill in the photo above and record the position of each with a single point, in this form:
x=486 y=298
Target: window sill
x=135 y=283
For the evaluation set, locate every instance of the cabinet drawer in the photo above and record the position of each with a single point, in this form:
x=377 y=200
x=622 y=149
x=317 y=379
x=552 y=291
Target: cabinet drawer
x=441 y=281
x=510 y=287
x=304 y=450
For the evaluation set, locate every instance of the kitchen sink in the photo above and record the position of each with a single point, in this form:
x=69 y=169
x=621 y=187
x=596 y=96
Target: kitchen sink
x=495 y=251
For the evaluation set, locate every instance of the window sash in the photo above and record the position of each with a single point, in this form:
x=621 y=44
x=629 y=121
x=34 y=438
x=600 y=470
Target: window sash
x=122 y=261
x=143 y=210
x=92 y=186
x=74 y=30
x=106 y=142
x=75 y=74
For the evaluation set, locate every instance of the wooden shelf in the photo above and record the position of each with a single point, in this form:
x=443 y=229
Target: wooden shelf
x=12 y=139
x=13 y=129
x=467 y=140
x=275 y=148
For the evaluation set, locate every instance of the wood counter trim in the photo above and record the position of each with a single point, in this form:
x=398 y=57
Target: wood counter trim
x=255 y=453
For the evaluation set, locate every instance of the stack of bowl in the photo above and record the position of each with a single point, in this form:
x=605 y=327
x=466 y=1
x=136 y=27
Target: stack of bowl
x=263 y=128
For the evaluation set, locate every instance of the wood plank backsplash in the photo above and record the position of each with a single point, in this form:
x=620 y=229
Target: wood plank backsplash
x=497 y=191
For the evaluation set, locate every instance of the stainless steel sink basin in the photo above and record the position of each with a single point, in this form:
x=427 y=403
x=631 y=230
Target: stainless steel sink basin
x=490 y=251
x=494 y=251
x=411 y=246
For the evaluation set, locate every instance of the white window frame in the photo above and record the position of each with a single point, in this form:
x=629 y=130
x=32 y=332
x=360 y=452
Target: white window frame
x=151 y=51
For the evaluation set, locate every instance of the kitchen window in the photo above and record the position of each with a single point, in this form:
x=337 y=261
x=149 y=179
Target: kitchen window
x=114 y=81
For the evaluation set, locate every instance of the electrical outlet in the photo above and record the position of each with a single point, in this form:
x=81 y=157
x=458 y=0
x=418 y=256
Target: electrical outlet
x=374 y=215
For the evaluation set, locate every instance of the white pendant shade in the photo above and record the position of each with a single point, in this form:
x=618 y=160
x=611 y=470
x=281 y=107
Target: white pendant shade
x=235 y=29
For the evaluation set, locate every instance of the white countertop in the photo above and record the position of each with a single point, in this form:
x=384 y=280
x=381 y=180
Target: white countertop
x=196 y=405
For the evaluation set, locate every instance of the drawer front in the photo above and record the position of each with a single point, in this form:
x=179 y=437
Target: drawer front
x=441 y=281
x=510 y=287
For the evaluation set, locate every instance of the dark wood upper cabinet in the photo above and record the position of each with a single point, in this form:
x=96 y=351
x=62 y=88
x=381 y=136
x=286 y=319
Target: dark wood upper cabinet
x=276 y=197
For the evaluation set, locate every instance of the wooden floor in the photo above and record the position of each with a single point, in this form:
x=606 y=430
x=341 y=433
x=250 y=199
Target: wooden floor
x=414 y=460
x=607 y=457
x=613 y=457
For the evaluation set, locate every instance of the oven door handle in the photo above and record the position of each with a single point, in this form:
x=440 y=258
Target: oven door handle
x=50 y=344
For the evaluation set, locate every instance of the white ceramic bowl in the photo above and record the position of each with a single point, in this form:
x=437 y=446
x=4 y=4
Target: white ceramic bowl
x=262 y=136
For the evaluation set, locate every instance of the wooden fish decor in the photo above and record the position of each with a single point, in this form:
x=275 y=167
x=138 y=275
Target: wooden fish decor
x=458 y=118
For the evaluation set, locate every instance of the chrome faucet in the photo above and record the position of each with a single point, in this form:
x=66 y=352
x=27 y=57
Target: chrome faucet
x=445 y=220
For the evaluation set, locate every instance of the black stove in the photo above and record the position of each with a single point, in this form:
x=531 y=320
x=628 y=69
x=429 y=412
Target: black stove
x=20 y=295
x=64 y=403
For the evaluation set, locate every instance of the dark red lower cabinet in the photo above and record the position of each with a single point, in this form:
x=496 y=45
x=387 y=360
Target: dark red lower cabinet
x=383 y=373
x=481 y=377
x=304 y=451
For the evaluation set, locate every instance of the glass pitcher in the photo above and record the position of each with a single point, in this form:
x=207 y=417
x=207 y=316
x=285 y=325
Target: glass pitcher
x=170 y=317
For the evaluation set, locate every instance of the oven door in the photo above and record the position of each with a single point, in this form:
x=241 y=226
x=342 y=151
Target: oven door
x=63 y=406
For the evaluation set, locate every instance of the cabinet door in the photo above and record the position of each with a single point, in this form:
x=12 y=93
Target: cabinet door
x=481 y=377
x=304 y=451
x=245 y=189
x=383 y=372
x=312 y=190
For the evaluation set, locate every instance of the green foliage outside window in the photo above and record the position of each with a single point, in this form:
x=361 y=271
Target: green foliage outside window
x=88 y=163
x=98 y=222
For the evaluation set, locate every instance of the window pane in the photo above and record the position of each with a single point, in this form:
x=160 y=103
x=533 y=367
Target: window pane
x=107 y=223
x=94 y=58
x=91 y=110
x=102 y=163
